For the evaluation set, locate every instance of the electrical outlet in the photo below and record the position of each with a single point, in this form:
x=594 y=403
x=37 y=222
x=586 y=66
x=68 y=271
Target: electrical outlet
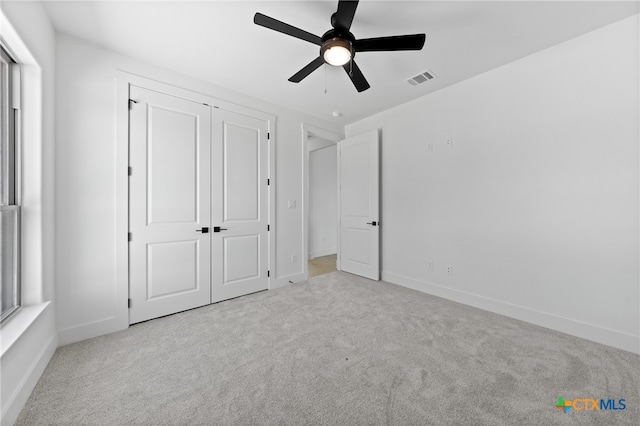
x=449 y=142
x=430 y=146
x=430 y=266
x=291 y=204
x=294 y=258
x=449 y=270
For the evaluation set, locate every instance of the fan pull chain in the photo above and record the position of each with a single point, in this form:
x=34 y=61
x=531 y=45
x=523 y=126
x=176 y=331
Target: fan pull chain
x=351 y=67
x=325 y=79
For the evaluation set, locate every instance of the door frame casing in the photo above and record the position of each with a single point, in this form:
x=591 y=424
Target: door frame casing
x=307 y=132
x=123 y=81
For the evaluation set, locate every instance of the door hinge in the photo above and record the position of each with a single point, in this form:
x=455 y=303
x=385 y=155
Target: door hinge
x=129 y=236
x=130 y=170
x=268 y=136
x=129 y=303
x=268 y=227
x=268 y=182
x=131 y=102
x=268 y=274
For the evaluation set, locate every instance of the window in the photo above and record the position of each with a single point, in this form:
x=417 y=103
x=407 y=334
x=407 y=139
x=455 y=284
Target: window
x=9 y=205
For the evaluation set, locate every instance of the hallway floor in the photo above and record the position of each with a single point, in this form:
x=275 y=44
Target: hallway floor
x=322 y=265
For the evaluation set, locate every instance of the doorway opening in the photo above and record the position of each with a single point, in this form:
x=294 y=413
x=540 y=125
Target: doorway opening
x=320 y=201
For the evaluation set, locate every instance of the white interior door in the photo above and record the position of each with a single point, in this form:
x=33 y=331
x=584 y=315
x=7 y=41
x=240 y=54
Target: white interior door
x=240 y=209
x=358 y=159
x=169 y=190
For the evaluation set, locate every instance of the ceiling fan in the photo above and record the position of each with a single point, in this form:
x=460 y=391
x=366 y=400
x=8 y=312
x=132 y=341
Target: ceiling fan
x=338 y=46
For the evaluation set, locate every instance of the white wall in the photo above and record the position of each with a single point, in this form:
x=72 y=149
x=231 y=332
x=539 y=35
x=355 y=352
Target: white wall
x=323 y=201
x=29 y=338
x=535 y=205
x=86 y=181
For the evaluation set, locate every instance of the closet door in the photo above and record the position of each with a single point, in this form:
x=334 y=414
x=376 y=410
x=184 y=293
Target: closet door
x=169 y=205
x=240 y=205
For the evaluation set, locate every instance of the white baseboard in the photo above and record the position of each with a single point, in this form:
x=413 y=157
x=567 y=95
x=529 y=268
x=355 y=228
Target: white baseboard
x=286 y=280
x=90 y=330
x=322 y=252
x=19 y=397
x=606 y=336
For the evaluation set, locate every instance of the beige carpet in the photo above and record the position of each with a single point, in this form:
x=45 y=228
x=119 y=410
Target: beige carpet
x=338 y=350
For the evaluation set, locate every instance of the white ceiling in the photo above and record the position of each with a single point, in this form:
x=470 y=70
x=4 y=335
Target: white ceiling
x=216 y=41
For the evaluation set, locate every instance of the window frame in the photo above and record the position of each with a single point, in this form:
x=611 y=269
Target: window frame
x=10 y=171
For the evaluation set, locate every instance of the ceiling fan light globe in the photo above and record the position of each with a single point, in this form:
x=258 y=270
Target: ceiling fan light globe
x=337 y=56
x=336 y=51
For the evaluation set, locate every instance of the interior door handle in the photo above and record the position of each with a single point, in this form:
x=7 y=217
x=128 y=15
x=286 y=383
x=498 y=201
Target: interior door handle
x=374 y=223
x=204 y=230
x=218 y=229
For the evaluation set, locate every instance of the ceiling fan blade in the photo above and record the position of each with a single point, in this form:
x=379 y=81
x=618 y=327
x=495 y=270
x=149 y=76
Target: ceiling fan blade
x=401 y=42
x=344 y=14
x=311 y=67
x=274 y=24
x=356 y=76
